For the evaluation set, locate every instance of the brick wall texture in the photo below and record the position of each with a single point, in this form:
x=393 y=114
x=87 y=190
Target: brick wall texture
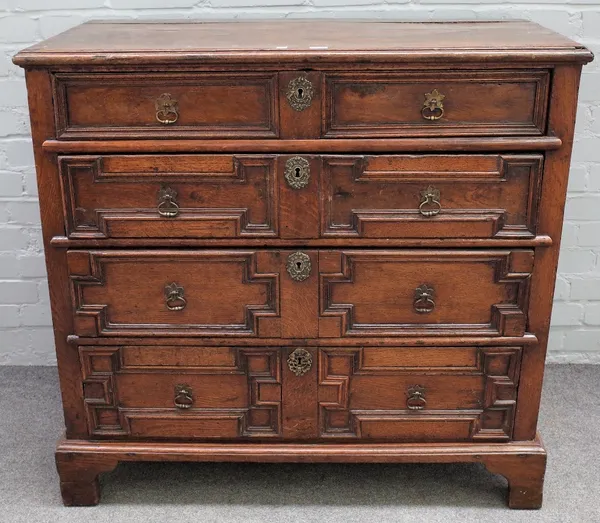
x=25 y=324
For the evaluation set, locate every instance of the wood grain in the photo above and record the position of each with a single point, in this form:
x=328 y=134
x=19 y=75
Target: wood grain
x=426 y=331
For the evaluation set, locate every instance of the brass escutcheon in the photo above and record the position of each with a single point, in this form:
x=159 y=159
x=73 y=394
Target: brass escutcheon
x=299 y=362
x=184 y=398
x=174 y=297
x=433 y=108
x=423 y=302
x=298 y=266
x=167 y=202
x=300 y=93
x=430 y=202
x=297 y=172
x=416 y=398
x=166 y=109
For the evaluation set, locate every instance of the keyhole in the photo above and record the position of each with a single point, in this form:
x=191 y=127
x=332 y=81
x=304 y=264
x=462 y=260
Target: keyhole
x=300 y=92
x=297 y=172
x=299 y=265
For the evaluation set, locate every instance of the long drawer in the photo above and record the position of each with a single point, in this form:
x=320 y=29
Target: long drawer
x=299 y=104
x=375 y=393
x=297 y=294
x=239 y=196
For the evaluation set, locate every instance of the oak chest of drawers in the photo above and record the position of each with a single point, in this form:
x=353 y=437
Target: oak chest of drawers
x=302 y=241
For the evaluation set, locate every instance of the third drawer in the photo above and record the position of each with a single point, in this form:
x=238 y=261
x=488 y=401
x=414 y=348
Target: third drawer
x=300 y=294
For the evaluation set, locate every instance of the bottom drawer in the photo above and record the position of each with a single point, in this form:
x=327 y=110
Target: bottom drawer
x=368 y=393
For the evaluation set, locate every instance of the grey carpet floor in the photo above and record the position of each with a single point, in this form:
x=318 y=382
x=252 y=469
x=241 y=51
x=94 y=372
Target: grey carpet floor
x=31 y=420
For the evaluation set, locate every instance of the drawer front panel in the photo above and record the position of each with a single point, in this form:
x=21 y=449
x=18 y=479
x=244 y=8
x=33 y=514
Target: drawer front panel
x=174 y=293
x=474 y=103
x=428 y=293
x=183 y=196
x=182 y=392
x=166 y=105
x=418 y=394
x=431 y=196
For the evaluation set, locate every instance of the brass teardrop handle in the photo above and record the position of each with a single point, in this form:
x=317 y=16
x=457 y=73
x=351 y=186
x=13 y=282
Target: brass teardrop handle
x=416 y=398
x=167 y=202
x=184 y=397
x=174 y=297
x=299 y=361
x=423 y=302
x=298 y=266
x=433 y=108
x=167 y=111
x=300 y=93
x=430 y=202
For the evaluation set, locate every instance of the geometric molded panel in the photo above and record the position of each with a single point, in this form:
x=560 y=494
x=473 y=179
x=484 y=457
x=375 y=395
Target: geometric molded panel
x=481 y=196
x=372 y=293
x=217 y=196
x=237 y=392
x=359 y=400
x=122 y=293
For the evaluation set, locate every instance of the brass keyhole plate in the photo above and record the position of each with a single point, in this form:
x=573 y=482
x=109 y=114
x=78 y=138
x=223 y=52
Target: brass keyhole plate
x=297 y=172
x=299 y=266
x=299 y=362
x=300 y=93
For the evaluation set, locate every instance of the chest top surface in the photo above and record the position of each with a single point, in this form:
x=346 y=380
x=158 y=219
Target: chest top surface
x=103 y=42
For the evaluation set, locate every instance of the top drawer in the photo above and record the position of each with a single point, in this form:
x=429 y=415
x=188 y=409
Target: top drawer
x=300 y=105
x=466 y=103
x=166 y=105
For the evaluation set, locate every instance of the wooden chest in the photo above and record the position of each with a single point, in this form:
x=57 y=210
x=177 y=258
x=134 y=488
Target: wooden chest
x=302 y=241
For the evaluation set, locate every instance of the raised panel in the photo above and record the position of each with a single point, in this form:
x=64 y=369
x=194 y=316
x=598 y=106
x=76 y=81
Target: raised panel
x=236 y=392
x=217 y=196
x=373 y=293
x=475 y=103
x=104 y=105
x=226 y=293
x=480 y=196
x=368 y=396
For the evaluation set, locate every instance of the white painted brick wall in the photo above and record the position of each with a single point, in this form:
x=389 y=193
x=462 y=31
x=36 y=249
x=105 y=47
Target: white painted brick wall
x=25 y=332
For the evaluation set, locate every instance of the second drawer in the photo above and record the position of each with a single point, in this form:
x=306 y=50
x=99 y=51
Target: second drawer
x=207 y=197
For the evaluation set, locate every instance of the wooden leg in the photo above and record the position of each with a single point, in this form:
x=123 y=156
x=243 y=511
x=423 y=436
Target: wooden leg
x=78 y=474
x=80 y=493
x=525 y=475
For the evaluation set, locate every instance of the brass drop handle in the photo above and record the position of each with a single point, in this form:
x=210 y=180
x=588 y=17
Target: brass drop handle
x=416 y=398
x=167 y=111
x=297 y=172
x=430 y=202
x=174 y=297
x=184 y=397
x=433 y=108
x=167 y=202
x=299 y=93
x=299 y=362
x=423 y=302
x=298 y=266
